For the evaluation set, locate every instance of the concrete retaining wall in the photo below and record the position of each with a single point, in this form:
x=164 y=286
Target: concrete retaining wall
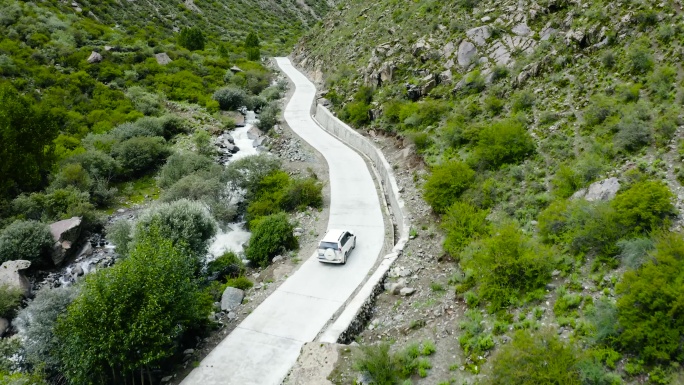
x=353 y=318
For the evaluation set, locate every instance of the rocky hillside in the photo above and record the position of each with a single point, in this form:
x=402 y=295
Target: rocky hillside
x=552 y=135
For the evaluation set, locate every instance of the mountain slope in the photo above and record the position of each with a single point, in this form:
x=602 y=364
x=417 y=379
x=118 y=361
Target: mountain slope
x=551 y=124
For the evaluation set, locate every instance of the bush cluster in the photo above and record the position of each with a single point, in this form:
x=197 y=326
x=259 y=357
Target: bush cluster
x=28 y=240
x=271 y=235
x=503 y=142
x=446 y=184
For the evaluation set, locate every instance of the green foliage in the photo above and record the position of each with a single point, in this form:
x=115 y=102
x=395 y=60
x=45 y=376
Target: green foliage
x=155 y=302
x=508 y=265
x=21 y=379
x=571 y=177
x=10 y=299
x=140 y=155
x=268 y=117
x=640 y=58
x=271 y=235
x=644 y=206
x=474 y=340
x=649 y=303
x=500 y=143
x=26 y=133
x=28 y=240
x=633 y=252
x=247 y=173
x=36 y=324
x=633 y=133
x=181 y=164
x=183 y=222
x=241 y=282
x=356 y=113
x=446 y=184
x=540 y=358
x=205 y=187
x=120 y=233
x=599 y=110
x=604 y=320
x=191 y=38
x=462 y=222
x=522 y=101
x=230 y=98
x=386 y=368
x=228 y=265
x=302 y=193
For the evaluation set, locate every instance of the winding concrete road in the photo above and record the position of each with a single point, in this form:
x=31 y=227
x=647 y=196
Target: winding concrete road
x=263 y=348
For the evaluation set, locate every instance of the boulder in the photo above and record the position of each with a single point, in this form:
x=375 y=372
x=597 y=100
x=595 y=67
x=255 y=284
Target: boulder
x=260 y=141
x=94 y=58
x=429 y=83
x=235 y=69
x=407 y=291
x=604 y=190
x=522 y=30
x=466 y=53
x=479 y=35
x=419 y=48
x=162 y=58
x=449 y=49
x=4 y=325
x=231 y=298
x=395 y=287
x=254 y=133
x=11 y=275
x=66 y=234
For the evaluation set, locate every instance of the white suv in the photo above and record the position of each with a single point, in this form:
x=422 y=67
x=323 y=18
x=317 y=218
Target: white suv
x=336 y=246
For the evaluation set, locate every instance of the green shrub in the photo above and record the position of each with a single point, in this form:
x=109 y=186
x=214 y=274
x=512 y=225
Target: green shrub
x=28 y=240
x=356 y=113
x=599 y=110
x=228 y=265
x=241 y=283
x=494 y=104
x=539 y=358
x=446 y=184
x=500 y=143
x=191 y=38
x=140 y=155
x=522 y=101
x=634 y=252
x=204 y=187
x=648 y=303
x=271 y=235
x=155 y=297
x=36 y=323
x=96 y=163
x=230 y=98
x=145 y=102
x=572 y=177
x=55 y=205
x=302 y=193
x=604 y=320
x=248 y=172
x=461 y=223
x=633 y=133
x=10 y=299
x=508 y=265
x=268 y=117
x=183 y=222
x=379 y=364
x=181 y=164
x=640 y=58
x=643 y=207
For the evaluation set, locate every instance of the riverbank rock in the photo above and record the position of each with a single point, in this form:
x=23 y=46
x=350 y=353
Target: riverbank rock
x=4 y=325
x=94 y=58
x=11 y=275
x=231 y=298
x=66 y=234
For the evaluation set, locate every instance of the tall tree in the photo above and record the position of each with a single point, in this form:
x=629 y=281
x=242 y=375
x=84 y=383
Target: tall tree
x=252 y=45
x=192 y=38
x=26 y=143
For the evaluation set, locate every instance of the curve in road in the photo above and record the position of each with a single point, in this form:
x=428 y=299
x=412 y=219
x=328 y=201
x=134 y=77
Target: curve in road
x=263 y=348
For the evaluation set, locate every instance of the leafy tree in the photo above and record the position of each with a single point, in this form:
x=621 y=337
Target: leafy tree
x=181 y=164
x=508 y=265
x=36 y=324
x=191 y=38
x=151 y=301
x=268 y=117
x=501 y=143
x=10 y=299
x=650 y=312
x=446 y=183
x=252 y=45
x=29 y=240
x=643 y=207
x=271 y=235
x=121 y=235
x=140 y=155
x=247 y=173
x=540 y=358
x=230 y=98
x=26 y=134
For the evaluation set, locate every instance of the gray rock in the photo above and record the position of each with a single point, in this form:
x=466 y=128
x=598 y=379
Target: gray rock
x=77 y=271
x=420 y=47
x=166 y=379
x=10 y=275
x=467 y=52
x=449 y=49
x=188 y=352
x=407 y=291
x=259 y=141
x=395 y=287
x=235 y=69
x=604 y=190
x=429 y=83
x=231 y=298
x=86 y=251
x=66 y=234
x=162 y=58
x=522 y=30
x=479 y=35
x=546 y=33
x=94 y=58
x=4 y=325
x=254 y=133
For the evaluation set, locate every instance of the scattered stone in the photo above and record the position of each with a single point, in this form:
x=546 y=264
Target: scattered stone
x=94 y=58
x=604 y=190
x=522 y=30
x=479 y=35
x=231 y=298
x=279 y=258
x=77 y=271
x=162 y=58
x=235 y=69
x=188 y=352
x=10 y=275
x=395 y=287
x=254 y=133
x=407 y=291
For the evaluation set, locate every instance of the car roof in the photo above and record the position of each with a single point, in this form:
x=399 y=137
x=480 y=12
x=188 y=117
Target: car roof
x=333 y=235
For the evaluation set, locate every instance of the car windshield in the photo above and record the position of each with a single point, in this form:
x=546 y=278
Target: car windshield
x=328 y=245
